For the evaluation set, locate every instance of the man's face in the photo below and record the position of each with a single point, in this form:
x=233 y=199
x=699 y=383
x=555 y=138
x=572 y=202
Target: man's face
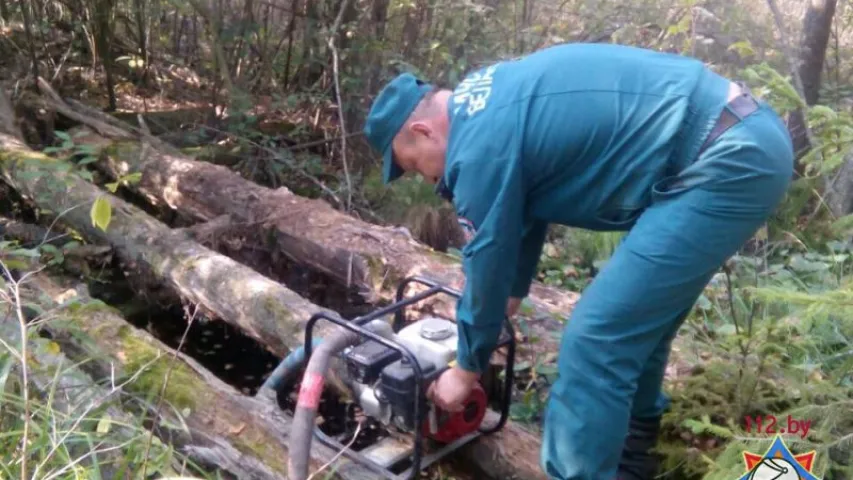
x=421 y=149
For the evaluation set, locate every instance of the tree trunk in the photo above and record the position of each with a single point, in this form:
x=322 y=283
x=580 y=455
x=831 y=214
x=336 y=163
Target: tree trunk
x=311 y=68
x=142 y=37
x=817 y=26
x=103 y=40
x=247 y=436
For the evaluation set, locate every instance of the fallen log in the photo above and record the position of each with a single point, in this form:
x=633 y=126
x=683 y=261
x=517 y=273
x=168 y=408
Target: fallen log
x=161 y=122
x=247 y=436
x=73 y=404
x=265 y=310
x=369 y=258
x=59 y=247
x=154 y=255
x=29 y=234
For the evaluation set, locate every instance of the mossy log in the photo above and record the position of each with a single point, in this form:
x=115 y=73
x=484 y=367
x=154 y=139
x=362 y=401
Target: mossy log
x=368 y=258
x=266 y=310
x=70 y=397
x=247 y=436
x=155 y=255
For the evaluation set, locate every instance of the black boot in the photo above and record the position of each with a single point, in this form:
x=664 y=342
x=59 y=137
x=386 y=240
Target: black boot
x=638 y=461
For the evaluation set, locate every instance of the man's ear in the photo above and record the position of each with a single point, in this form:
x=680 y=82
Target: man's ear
x=420 y=128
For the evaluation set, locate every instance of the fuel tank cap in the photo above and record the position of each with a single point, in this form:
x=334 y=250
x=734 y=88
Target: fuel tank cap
x=436 y=329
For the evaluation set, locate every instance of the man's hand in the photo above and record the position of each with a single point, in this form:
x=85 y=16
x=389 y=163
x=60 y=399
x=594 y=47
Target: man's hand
x=454 y=385
x=512 y=306
x=452 y=388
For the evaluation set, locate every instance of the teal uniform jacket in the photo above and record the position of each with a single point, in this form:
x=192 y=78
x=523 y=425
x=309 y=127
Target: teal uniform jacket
x=577 y=134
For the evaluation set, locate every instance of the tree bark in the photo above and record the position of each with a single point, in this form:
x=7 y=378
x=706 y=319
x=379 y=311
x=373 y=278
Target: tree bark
x=817 y=26
x=247 y=436
x=31 y=235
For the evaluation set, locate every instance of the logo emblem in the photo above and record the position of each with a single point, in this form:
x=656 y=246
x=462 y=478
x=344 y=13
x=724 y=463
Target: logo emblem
x=468 y=230
x=778 y=463
x=474 y=91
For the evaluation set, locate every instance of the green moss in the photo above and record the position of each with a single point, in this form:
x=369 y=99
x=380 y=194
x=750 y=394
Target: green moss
x=194 y=151
x=287 y=328
x=184 y=384
x=204 y=152
x=26 y=167
x=379 y=273
x=90 y=307
x=445 y=258
x=80 y=321
x=120 y=148
x=90 y=324
x=183 y=392
x=188 y=264
x=12 y=155
x=276 y=310
x=260 y=446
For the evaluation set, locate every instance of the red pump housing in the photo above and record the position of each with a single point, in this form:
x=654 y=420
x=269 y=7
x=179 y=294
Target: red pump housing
x=454 y=425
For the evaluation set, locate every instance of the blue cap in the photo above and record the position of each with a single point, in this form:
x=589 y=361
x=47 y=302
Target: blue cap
x=389 y=112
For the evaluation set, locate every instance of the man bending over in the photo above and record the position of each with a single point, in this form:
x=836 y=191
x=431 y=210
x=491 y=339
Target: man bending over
x=606 y=138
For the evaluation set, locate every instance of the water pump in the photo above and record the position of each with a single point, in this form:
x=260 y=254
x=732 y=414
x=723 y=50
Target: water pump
x=389 y=369
x=385 y=382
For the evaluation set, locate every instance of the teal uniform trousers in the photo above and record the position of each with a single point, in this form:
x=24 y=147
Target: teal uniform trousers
x=604 y=137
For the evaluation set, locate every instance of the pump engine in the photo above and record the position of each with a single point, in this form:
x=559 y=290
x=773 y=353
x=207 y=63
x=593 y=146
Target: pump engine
x=385 y=382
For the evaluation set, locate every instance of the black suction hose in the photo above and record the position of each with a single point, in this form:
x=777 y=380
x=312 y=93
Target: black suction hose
x=302 y=430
